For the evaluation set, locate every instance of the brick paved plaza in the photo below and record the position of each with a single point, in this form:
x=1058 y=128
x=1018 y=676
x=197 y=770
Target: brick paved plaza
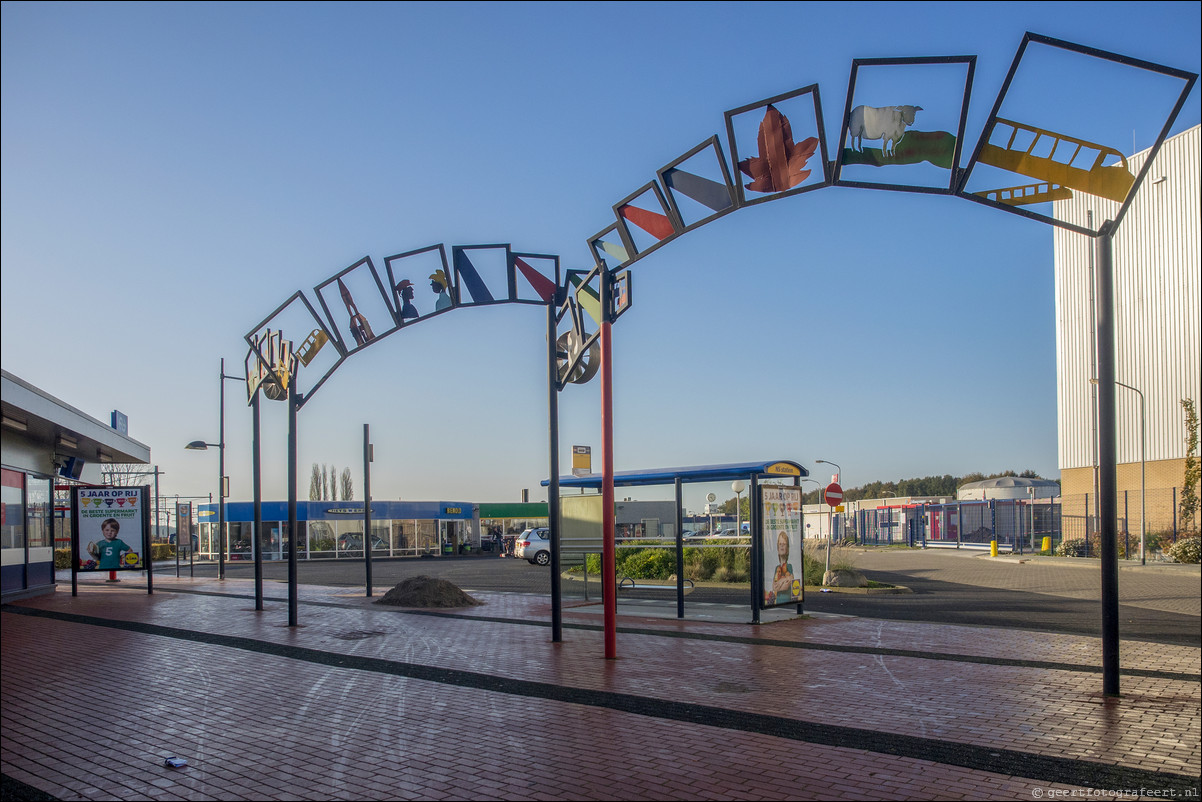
x=368 y=702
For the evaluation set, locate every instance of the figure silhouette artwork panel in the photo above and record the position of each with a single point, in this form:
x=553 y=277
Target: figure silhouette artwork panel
x=360 y=328
x=440 y=286
x=405 y=291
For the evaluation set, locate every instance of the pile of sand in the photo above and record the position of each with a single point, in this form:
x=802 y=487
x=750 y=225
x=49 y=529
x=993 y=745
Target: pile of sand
x=425 y=591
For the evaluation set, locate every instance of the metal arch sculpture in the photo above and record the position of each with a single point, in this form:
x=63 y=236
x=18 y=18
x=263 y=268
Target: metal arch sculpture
x=478 y=275
x=697 y=188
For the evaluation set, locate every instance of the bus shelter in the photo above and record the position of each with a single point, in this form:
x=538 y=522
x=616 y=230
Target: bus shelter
x=755 y=474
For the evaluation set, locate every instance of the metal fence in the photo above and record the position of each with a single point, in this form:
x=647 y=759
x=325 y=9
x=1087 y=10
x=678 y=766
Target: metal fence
x=1020 y=525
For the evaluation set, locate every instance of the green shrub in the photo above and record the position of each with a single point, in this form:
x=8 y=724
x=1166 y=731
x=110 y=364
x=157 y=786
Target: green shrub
x=814 y=570
x=727 y=574
x=720 y=563
x=1186 y=550
x=62 y=559
x=1073 y=548
x=649 y=564
x=1080 y=547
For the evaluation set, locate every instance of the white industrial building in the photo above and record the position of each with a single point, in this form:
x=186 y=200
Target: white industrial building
x=1157 y=299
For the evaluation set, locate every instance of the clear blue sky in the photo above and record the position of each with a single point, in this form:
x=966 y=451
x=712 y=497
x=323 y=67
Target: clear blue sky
x=173 y=172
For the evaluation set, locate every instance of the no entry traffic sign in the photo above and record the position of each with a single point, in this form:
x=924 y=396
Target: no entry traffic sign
x=834 y=494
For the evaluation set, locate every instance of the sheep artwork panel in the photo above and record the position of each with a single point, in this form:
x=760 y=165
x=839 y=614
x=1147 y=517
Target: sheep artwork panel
x=887 y=123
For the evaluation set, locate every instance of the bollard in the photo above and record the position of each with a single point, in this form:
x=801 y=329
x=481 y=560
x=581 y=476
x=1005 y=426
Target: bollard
x=1047 y=545
x=993 y=548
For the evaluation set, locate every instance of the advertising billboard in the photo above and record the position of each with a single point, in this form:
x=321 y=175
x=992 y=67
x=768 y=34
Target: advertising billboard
x=781 y=545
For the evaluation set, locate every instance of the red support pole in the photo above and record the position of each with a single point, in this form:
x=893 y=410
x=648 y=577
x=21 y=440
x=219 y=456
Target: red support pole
x=608 y=556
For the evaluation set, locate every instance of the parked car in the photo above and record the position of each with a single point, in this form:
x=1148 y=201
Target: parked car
x=534 y=546
x=725 y=533
x=695 y=535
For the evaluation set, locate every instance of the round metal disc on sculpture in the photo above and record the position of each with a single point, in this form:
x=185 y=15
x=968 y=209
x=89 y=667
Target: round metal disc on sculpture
x=586 y=366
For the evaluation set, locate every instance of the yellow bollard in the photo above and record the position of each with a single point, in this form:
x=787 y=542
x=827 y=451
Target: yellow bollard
x=993 y=548
x=1047 y=545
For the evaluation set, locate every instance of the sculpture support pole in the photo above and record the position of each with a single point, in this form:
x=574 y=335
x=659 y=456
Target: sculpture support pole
x=1107 y=460
x=608 y=550
x=553 y=485
x=257 y=479
x=293 y=402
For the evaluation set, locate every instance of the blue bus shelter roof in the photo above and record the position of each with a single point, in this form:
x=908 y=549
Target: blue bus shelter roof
x=695 y=473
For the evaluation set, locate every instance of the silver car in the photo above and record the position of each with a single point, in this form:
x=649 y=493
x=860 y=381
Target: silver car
x=534 y=546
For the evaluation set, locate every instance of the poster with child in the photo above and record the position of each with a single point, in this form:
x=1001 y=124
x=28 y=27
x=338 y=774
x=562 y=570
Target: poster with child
x=109 y=530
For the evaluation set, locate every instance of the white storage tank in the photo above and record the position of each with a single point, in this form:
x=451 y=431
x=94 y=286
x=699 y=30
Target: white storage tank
x=1008 y=487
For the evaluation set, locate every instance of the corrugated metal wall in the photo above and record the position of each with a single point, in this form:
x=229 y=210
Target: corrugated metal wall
x=1157 y=272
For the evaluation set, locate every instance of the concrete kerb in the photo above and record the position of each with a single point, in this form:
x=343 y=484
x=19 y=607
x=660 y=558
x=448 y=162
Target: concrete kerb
x=1034 y=558
x=1180 y=569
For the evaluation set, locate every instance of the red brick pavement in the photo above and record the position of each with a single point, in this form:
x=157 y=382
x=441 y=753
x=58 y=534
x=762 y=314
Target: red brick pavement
x=268 y=726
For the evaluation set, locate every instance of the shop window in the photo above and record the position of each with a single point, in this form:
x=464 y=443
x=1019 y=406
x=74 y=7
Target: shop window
x=427 y=537
x=37 y=512
x=322 y=537
x=12 y=514
x=403 y=533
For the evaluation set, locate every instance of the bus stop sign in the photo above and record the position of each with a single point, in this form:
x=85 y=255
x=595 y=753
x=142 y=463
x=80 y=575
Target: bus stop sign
x=834 y=494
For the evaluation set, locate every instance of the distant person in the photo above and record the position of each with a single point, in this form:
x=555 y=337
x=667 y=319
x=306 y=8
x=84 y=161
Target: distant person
x=112 y=549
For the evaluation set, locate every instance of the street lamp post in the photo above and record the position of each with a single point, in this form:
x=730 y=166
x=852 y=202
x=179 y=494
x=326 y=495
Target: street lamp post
x=831 y=531
x=1143 y=464
x=819 y=486
x=222 y=491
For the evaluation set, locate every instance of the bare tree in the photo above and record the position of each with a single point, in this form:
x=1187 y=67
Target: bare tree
x=127 y=474
x=346 y=486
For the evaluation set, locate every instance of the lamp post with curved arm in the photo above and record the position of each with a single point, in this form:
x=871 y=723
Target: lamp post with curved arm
x=201 y=445
x=830 y=535
x=817 y=484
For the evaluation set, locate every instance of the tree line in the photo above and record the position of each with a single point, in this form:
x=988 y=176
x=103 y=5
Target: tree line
x=326 y=484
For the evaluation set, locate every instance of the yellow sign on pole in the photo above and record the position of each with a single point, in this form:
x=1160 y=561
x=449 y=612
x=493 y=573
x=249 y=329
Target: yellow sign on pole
x=582 y=460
